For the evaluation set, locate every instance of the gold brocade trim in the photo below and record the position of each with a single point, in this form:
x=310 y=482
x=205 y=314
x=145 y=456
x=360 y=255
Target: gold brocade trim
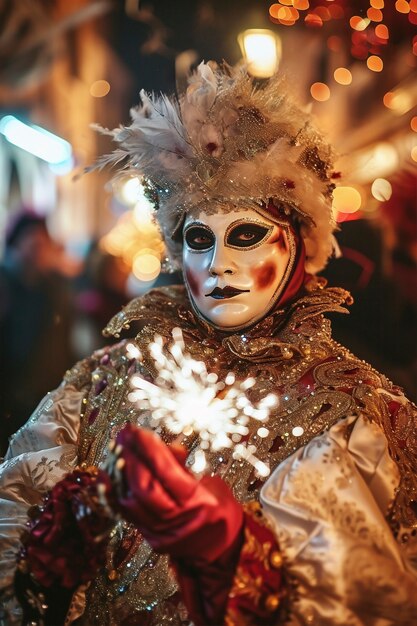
x=290 y=353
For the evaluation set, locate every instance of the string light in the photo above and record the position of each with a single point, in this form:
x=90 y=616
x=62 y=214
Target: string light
x=187 y=400
x=375 y=34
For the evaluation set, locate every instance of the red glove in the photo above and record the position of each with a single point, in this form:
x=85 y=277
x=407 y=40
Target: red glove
x=192 y=520
x=197 y=522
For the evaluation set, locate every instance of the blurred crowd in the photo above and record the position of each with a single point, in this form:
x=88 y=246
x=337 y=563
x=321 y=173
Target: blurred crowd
x=51 y=316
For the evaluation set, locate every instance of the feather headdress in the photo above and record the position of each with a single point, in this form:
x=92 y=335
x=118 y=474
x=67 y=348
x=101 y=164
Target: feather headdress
x=229 y=143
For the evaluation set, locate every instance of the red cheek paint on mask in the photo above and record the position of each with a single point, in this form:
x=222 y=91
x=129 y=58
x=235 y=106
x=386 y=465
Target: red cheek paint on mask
x=265 y=276
x=192 y=283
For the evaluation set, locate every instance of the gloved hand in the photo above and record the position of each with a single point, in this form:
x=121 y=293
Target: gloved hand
x=202 y=527
x=192 y=520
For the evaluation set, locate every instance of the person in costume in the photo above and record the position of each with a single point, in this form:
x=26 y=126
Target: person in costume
x=242 y=182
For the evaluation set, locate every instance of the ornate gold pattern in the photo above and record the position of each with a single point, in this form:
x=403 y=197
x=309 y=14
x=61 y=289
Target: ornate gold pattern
x=290 y=353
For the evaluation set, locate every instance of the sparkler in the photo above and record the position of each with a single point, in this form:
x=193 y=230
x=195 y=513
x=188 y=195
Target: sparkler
x=187 y=399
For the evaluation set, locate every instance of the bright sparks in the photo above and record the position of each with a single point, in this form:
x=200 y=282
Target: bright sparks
x=186 y=399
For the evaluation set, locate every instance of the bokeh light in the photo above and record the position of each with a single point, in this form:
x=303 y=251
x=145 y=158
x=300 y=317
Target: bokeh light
x=377 y=4
x=346 y=200
x=358 y=23
x=320 y=92
x=381 y=189
x=382 y=31
x=375 y=15
x=301 y=5
x=402 y=6
x=314 y=20
x=146 y=266
x=99 y=88
x=378 y=162
x=375 y=63
x=399 y=101
x=413 y=123
x=342 y=76
x=414 y=154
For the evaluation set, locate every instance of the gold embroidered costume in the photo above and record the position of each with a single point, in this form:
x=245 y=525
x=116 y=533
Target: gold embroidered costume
x=328 y=398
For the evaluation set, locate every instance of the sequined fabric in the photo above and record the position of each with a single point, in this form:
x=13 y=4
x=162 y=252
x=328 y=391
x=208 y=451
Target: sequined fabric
x=290 y=353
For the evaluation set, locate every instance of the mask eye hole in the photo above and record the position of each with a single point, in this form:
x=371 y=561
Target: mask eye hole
x=199 y=238
x=247 y=235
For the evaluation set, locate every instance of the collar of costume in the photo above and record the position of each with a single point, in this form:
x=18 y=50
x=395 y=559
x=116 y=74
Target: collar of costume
x=164 y=308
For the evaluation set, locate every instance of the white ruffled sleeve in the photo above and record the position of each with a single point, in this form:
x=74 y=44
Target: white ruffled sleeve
x=39 y=455
x=328 y=504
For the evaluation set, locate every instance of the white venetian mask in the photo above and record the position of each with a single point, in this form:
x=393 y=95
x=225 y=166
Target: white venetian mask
x=236 y=264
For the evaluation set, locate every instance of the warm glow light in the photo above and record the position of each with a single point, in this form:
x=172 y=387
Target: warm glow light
x=381 y=31
x=377 y=4
x=381 y=161
x=146 y=267
x=375 y=63
x=99 y=88
x=414 y=153
x=402 y=6
x=399 y=101
x=413 y=123
x=358 y=23
x=342 y=76
x=320 y=92
x=301 y=5
x=381 y=189
x=346 y=199
x=287 y=16
x=375 y=15
x=261 y=49
x=413 y=6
